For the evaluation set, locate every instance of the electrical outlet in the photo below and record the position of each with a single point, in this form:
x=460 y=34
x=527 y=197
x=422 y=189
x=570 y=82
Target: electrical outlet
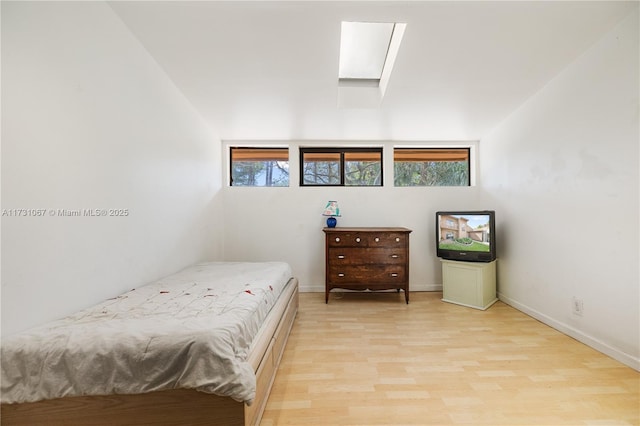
x=577 y=306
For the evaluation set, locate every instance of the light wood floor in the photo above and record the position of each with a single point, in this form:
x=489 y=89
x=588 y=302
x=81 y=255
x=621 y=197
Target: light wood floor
x=370 y=359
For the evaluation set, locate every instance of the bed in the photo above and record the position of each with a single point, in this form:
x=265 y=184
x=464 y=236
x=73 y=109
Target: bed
x=199 y=347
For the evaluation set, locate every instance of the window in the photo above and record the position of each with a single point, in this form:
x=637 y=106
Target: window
x=363 y=49
x=431 y=167
x=368 y=51
x=259 y=166
x=340 y=166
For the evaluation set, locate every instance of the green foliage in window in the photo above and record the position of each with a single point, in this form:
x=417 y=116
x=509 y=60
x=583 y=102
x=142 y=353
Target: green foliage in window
x=362 y=173
x=431 y=173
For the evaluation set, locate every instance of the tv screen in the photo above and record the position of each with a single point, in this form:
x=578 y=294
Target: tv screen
x=466 y=235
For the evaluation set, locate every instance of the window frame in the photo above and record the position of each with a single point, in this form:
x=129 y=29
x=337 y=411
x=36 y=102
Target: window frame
x=230 y=151
x=437 y=150
x=341 y=151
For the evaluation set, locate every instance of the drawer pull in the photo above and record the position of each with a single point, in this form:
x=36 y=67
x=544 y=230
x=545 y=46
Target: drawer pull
x=341 y=275
x=397 y=239
x=394 y=256
x=393 y=274
x=377 y=240
x=358 y=240
x=341 y=256
x=337 y=239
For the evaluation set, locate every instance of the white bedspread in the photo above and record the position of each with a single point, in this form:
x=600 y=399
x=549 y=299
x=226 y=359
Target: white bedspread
x=190 y=330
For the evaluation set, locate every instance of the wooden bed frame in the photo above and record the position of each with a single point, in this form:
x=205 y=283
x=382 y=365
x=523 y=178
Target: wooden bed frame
x=178 y=406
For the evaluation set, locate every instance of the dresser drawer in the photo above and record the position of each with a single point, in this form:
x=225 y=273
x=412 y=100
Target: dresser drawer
x=367 y=239
x=370 y=274
x=365 y=256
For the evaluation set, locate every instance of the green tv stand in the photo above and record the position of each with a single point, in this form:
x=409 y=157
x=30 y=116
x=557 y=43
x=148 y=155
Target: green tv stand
x=471 y=284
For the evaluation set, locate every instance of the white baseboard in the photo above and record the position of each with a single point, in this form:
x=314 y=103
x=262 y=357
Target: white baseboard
x=592 y=342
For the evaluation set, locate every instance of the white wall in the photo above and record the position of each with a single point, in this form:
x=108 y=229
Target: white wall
x=562 y=173
x=286 y=223
x=90 y=121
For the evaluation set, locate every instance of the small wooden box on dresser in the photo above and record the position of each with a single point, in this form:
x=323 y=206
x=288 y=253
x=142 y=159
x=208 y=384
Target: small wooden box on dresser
x=367 y=259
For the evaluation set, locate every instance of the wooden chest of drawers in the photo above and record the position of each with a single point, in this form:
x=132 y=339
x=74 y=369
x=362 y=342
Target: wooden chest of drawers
x=367 y=259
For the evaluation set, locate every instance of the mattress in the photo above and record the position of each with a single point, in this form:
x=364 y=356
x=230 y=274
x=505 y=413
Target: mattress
x=190 y=330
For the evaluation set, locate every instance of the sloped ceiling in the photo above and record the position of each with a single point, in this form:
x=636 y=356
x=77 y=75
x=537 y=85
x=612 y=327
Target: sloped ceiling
x=268 y=70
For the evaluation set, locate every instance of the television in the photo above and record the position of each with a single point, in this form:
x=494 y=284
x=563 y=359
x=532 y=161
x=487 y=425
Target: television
x=466 y=235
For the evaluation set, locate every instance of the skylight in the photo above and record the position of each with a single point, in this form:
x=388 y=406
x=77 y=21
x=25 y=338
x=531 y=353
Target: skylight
x=368 y=51
x=363 y=49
